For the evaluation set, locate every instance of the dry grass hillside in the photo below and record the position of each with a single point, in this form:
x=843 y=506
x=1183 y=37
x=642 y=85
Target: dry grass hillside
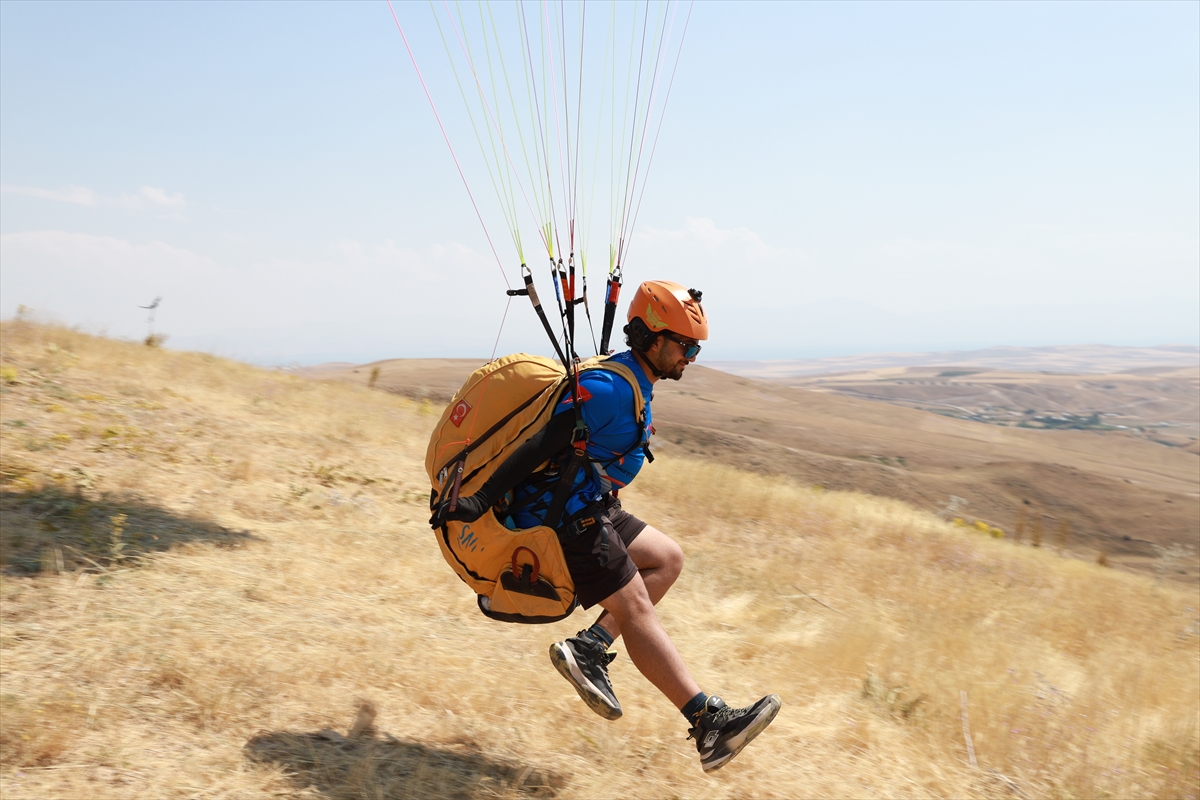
x=1120 y=495
x=207 y=568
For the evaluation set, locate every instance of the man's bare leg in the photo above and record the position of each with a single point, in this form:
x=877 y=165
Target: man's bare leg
x=582 y=659
x=719 y=730
x=659 y=560
x=648 y=644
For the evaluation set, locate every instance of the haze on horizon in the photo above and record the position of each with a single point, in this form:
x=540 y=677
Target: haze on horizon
x=837 y=178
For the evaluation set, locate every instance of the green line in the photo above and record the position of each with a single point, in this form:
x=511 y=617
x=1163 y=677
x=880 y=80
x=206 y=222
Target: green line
x=538 y=199
x=507 y=202
x=467 y=104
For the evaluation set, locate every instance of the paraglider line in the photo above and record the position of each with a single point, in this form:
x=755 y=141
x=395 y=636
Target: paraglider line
x=654 y=147
x=486 y=107
x=653 y=78
x=458 y=166
x=553 y=94
x=503 y=319
x=548 y=237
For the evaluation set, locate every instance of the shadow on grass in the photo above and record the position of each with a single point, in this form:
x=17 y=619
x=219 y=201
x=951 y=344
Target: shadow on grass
x=53 y=529
x=389 y=768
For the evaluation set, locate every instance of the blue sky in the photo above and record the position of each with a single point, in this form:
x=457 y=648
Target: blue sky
x=837 y=178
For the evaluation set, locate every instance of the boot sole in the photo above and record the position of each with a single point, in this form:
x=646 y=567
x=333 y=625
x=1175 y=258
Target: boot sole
x=747 y=735
x=564 y=661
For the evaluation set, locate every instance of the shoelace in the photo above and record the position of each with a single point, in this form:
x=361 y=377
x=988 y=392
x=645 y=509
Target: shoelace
x=598 y=652
x=717 y=719
x=725 y=714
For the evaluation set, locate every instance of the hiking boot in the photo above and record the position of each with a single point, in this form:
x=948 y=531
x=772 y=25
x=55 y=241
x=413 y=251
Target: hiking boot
x=721 y=732
x=584 y=662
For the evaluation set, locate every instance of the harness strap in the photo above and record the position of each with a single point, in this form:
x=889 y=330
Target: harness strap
x=569 y=303
x=566 y=483
x=612 y=292
x=554 y=498
x=531 y=292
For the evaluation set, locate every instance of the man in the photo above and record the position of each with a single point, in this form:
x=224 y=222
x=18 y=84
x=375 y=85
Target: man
x=617 y=561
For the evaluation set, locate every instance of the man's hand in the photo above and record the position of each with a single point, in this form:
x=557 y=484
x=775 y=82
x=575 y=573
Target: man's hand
x=468 y=509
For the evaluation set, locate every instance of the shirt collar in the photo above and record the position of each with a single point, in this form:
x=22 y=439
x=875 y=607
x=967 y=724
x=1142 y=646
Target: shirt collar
x=628 y=359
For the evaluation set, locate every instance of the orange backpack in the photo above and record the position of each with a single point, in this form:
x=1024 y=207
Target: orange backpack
x=518 y=576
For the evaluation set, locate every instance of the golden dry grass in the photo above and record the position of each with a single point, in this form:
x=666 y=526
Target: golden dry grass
x=293 y=578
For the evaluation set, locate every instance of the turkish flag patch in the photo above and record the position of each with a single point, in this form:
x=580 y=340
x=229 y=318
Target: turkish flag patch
x=460 y=413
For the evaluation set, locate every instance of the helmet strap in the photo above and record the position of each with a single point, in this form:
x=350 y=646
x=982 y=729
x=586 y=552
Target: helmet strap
x=645 y=359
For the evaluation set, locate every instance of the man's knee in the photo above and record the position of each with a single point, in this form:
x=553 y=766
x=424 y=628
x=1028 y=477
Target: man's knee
x=672 y=559
x=654 y=550
x=630 y=601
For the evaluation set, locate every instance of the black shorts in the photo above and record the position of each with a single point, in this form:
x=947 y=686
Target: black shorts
x=604 y=526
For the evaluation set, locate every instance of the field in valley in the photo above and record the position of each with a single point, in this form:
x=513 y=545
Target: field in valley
x=1094 y=359
x=1160 y=405
x=208 y=567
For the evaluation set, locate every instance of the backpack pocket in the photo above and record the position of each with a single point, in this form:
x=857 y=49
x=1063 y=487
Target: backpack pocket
x=519 y=576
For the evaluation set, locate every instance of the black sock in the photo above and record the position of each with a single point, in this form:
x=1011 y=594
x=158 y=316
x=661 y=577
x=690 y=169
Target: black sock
x=694 y=708
x=602 y=636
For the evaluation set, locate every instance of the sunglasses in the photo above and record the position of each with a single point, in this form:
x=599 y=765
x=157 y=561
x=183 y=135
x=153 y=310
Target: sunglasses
x=690 y=349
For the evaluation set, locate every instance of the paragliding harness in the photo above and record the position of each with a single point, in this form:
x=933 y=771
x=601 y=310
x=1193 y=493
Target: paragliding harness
x=517 y=575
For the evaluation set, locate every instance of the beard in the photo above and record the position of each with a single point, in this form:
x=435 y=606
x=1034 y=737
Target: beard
x=671 y=368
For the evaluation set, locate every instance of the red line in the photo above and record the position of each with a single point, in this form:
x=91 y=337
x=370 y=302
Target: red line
x=499 y=263
x=442 y=452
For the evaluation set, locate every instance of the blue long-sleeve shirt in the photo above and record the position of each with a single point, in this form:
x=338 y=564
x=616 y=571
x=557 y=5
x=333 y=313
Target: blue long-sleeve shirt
x=616 y=445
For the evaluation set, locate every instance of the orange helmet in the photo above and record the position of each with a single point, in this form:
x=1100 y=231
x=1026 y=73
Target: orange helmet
x=667 y=306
